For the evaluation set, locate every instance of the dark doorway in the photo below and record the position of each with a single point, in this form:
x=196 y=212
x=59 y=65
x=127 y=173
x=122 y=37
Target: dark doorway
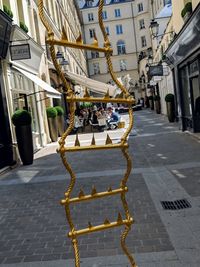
x=195 y=92
x=6 y=154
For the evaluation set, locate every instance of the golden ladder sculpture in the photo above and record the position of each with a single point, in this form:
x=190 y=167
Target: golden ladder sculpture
x=71 y=98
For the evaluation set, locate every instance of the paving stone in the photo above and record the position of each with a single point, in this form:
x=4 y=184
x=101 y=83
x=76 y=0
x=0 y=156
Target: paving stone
x=34 y=217
x=13 y=260
x=191 y=181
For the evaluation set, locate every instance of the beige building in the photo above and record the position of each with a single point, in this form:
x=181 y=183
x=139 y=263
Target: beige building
x=30 y=79
x=126 y=23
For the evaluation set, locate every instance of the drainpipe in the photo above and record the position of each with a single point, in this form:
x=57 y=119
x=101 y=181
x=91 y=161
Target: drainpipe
x=134 y=29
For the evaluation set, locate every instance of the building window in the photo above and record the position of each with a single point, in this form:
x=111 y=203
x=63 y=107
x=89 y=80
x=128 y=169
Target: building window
x=104 y=15
x=143 y=41
x=107 y=30
x=90 y=17
x=89 y=3
x=96 y=68
x=140 y=7
x=141 y=23
x=92 y=33
x=121 y=47
x=166 y=2
x=117 y=13
x=119 y=29
x=94 y=54
x=123 y=65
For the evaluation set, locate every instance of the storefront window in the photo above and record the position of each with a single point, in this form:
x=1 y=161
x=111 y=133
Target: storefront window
x=185 y=93
x=23 y=96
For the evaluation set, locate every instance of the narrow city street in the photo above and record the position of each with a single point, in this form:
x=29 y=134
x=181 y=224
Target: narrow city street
x=166 y=167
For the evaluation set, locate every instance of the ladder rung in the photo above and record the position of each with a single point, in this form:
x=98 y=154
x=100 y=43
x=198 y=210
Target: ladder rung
x=102 y=100
x=99 y=227
x=92 y=147
x=79 y=45
x=97 y=195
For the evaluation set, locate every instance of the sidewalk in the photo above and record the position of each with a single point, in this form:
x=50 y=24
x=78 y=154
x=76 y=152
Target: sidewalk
x=166 y=167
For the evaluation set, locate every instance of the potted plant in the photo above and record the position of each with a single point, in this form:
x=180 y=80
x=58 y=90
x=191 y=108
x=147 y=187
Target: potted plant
x=23 y=26
x=151 y=103
x=169 y=99
x=187 y=10
x=22 y=121
x=157 y=104
x=60 y=120
x=52 y=122
x=8 y=11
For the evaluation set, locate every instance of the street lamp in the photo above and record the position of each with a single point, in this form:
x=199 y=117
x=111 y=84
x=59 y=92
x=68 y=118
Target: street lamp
x=154 y=27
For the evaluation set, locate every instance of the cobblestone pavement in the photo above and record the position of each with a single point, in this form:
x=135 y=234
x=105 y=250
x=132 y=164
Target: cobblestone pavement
x=166 y=167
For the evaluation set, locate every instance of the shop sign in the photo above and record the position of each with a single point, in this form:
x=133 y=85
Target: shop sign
x=20 y=52
x=156 y=70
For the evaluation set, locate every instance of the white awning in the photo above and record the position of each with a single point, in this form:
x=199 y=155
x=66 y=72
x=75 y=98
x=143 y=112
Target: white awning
x=95 y=86
x=51 y=92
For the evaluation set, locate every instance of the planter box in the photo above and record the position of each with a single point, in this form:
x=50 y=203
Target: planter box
x=170 y=111
x=53 y=129
x=60 y=122
x=25 y=143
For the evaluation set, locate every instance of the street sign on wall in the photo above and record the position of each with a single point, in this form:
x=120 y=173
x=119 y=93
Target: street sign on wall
x=156 y=70
x=19 y=52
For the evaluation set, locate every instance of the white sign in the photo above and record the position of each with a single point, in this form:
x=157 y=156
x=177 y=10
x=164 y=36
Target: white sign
x=19 y=52
x=152 y=83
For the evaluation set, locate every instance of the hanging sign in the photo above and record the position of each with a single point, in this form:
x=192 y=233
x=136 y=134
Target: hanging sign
x=19 y=52
x=156 y=70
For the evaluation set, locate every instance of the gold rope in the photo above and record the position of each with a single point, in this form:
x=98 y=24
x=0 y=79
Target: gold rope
x=62 y=149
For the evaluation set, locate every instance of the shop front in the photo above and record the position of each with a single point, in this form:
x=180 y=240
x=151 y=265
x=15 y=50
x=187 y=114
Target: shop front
x=26 y=90
x=184 y=58
x=6 y=155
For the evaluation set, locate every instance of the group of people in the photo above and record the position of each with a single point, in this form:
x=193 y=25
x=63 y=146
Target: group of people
x=96 y=117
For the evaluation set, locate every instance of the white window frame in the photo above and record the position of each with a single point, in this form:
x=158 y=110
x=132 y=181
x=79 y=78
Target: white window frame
x=143 y=41
x=142 y=24
x=121 y=48
x=117 y=13
x=96 y=68
x=90 y=17
x=92 y=33
x=140 y=7
x=107 y=30
x=119 y=29
x=104 y=14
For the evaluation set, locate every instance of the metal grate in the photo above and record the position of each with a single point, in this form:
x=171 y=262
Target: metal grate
x=175 y=205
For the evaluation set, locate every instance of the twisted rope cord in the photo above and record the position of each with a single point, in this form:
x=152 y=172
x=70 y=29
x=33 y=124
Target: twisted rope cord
x=42 y=17
x=52 y=49
x=124 y=137
x=124 y=247
x=67 y=87
x=129 y=167
x=69 y=91
x=76 y=252
x=107 y=44
x=128 y=130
